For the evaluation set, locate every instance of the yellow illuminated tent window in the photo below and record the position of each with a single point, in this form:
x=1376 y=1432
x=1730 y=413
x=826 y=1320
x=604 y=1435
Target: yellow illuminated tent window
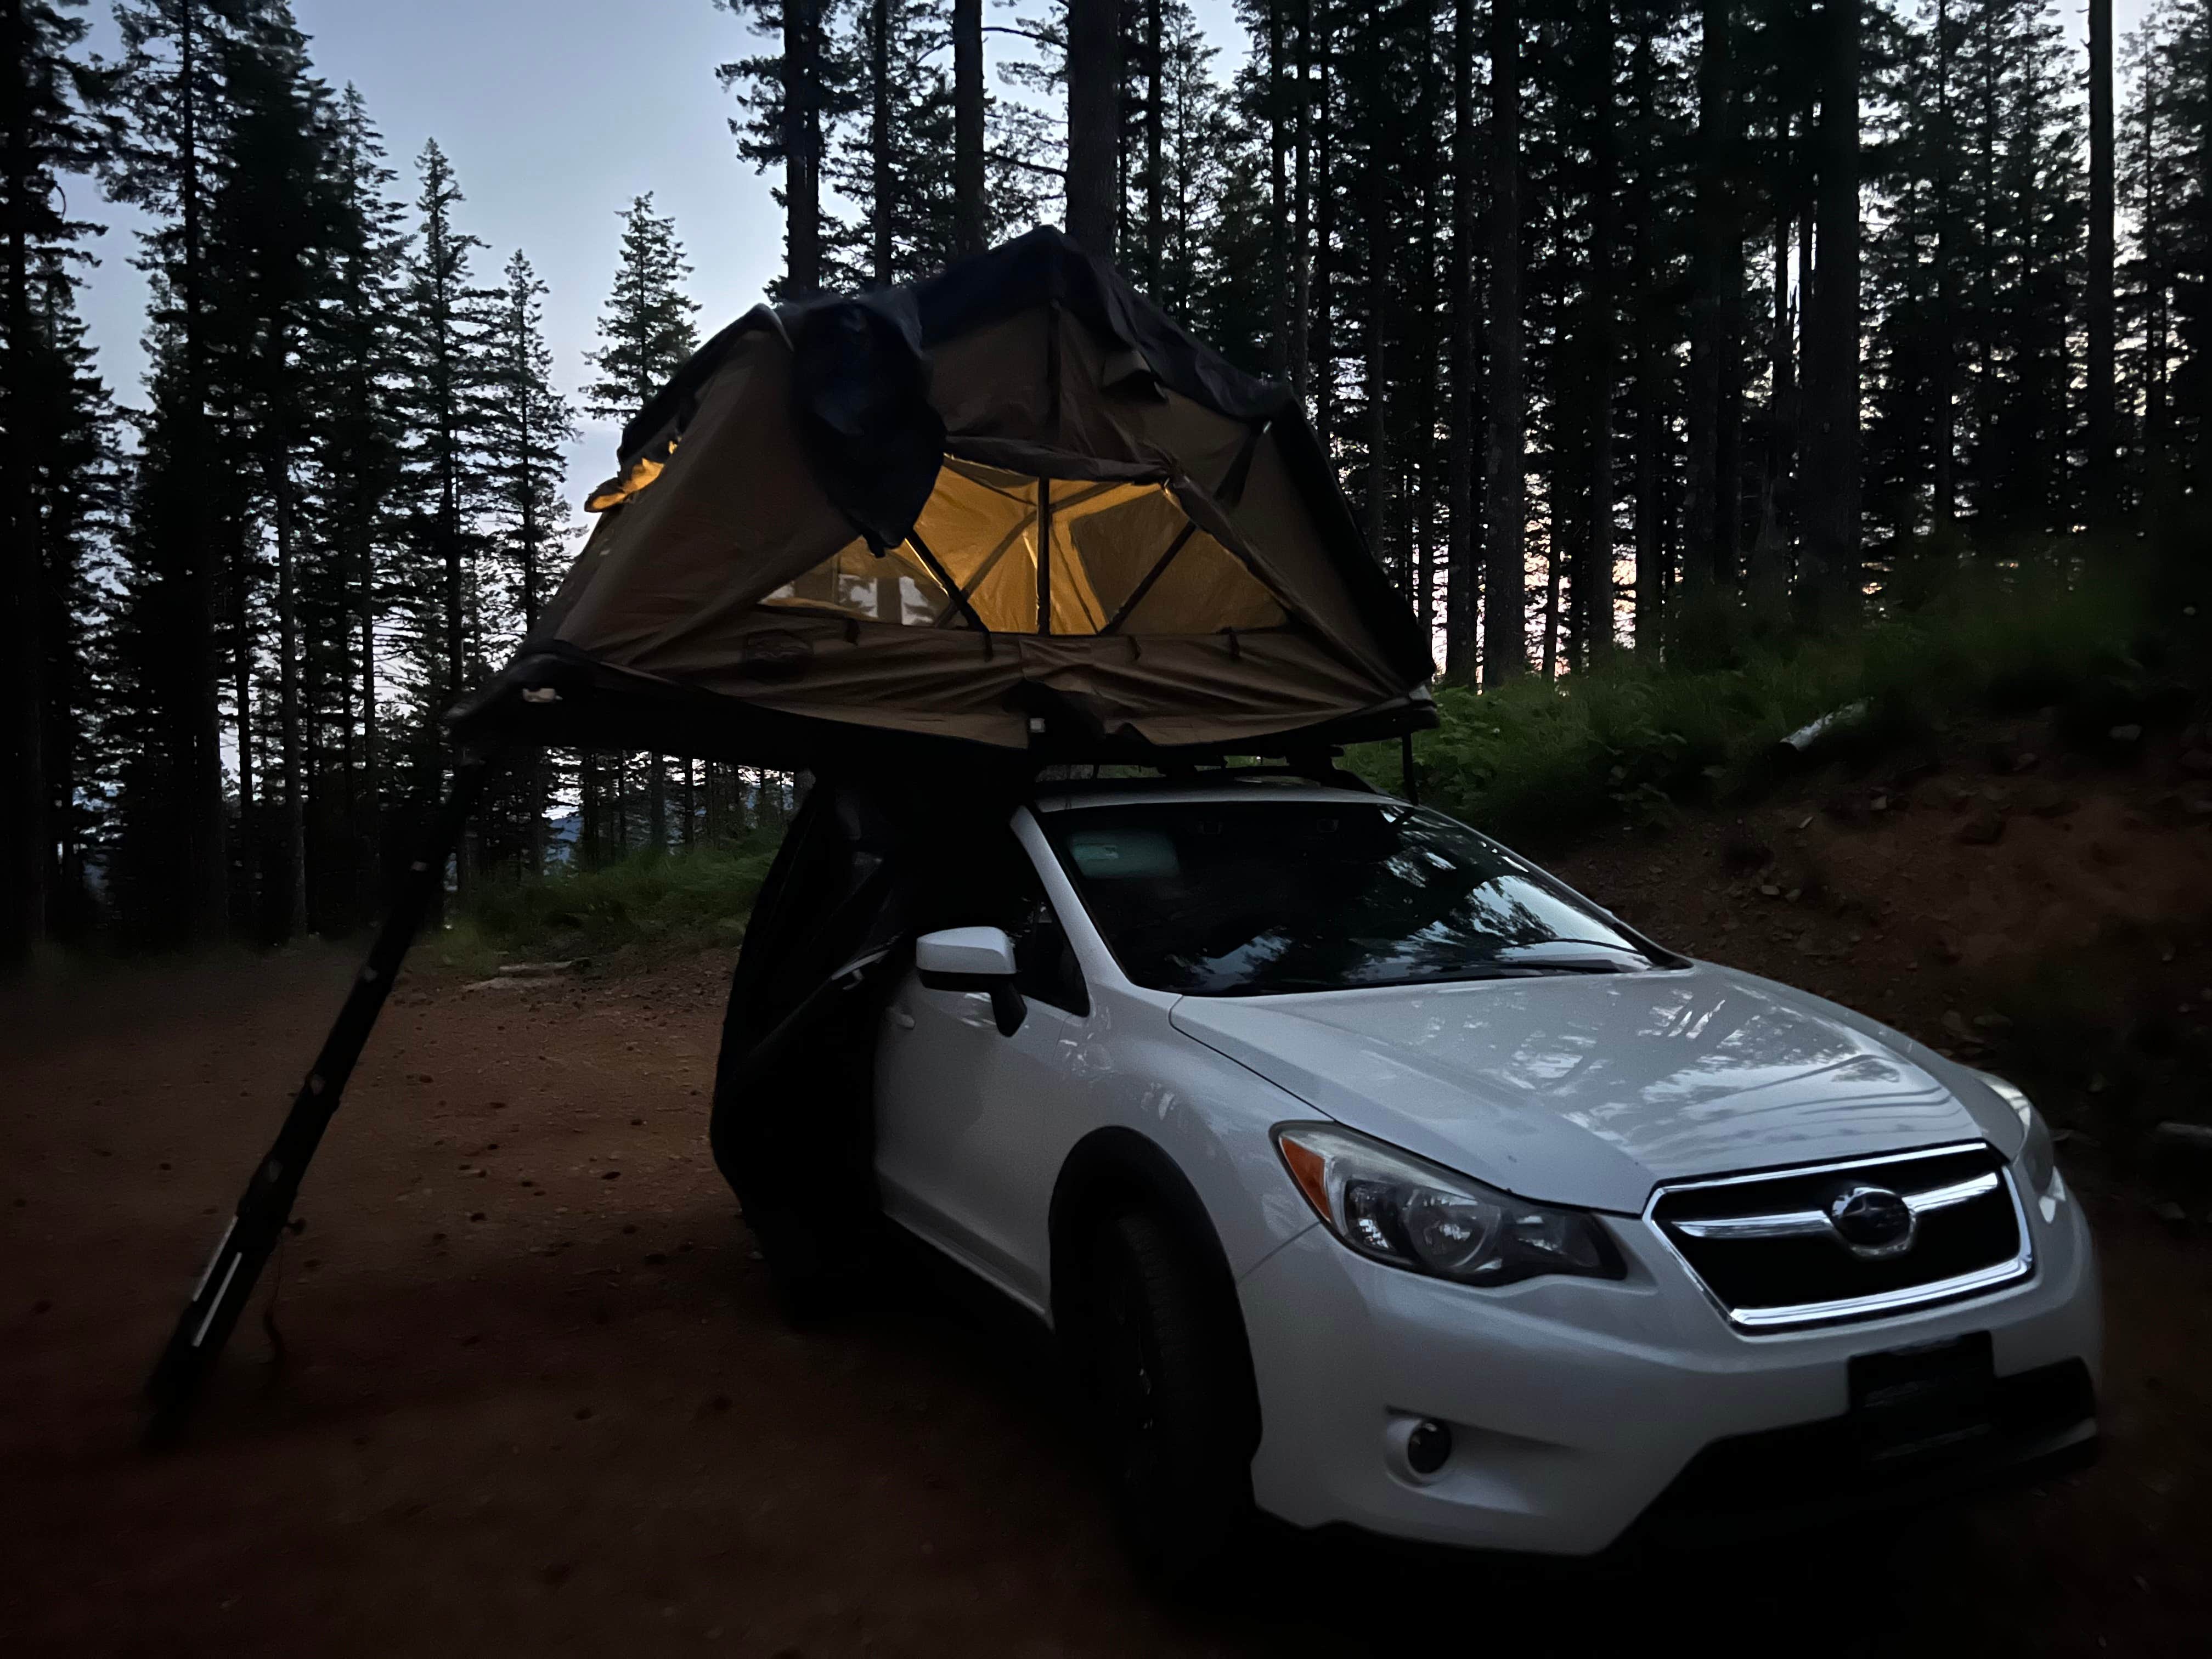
x=1117 y=558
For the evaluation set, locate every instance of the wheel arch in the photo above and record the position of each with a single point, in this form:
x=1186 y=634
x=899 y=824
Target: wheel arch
x=1115 y=1168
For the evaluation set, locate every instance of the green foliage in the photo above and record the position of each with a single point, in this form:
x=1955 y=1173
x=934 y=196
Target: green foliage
x=650 y=902
x=1541 y=762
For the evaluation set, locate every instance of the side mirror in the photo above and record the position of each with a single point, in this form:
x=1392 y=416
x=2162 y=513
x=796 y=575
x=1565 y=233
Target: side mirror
x=973 y=959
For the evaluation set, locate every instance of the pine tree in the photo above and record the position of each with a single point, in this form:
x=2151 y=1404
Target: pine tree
x=356 y=501
x=790 y=99
x=646 y=329
x=968 y=100
x=1833 y=555
x=1593 y=583
x=889 y=160
x=2179 y=67
x=1462 y=557
x=646 y=333
x=2100 y=423
x=1094 y=125
x=445 y=321
x=530 y=428
x=1505 y=642
x=270 y=218
x=47 y=129
x=71 y=461
x=176 y=114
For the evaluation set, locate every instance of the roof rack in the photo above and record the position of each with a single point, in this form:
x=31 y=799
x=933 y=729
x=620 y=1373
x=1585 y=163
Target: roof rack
x=1320 y=770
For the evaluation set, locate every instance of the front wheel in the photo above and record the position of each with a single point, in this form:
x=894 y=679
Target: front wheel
x=1172 y=1402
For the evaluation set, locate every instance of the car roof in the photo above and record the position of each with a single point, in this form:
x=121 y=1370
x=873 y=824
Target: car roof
x=1129 y=792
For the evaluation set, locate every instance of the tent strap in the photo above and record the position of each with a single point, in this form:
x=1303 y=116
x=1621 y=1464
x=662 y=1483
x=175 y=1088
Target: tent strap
x=944 y=577
x=1153 y=575
x=259 y=1222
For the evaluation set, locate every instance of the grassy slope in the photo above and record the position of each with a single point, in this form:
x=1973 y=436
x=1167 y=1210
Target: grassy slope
x=649 y=905
x=1544 y=762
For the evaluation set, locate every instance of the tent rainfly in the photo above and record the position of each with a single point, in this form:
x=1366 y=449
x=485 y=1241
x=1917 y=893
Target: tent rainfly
x=1012 y=506
x=1007 y=516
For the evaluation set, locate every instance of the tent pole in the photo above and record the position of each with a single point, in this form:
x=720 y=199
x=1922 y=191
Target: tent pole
x=224 y=1288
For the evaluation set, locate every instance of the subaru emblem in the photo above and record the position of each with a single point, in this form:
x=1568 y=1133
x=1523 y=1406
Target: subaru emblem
x=1873 y=1222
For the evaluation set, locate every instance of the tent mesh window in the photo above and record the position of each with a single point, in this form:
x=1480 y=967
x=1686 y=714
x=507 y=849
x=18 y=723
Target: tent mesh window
x=1020 y=555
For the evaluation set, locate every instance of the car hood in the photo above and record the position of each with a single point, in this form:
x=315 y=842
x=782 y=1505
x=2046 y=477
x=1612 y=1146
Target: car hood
x=1587 y=1089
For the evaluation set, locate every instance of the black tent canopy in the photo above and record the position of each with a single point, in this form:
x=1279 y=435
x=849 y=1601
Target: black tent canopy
x=1009 y=516
x=1011 y=507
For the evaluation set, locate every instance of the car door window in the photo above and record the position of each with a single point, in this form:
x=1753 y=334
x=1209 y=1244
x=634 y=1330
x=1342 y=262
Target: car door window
x=1045 y=967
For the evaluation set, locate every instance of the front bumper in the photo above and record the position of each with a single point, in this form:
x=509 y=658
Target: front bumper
x=1578 y=1406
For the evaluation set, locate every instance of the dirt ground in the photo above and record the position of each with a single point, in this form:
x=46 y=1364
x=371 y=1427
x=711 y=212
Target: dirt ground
x=533 y=1398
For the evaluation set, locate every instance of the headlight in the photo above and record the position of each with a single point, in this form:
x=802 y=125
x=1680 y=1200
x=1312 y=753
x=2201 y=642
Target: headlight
x=2039 y=1158
x=1396 y=1208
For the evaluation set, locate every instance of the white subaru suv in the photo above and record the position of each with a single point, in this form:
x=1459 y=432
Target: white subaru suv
x=1376 y=1178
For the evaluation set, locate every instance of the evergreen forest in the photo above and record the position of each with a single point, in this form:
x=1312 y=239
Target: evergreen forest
x=1633 y=327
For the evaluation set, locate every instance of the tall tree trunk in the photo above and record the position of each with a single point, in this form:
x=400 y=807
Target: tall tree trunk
x=1156 y=229
x=369 y=817
x=970 y=220
x=1832 y=527
x=1945 y=366
x=591 y=835
x=449 y=540
x=1650 y=555
x=1376 y=374
x=292 y=902
x=1280 y=256
x=1324 y=332
x=28 y=813
x=1594 y=584
x=1094 y=122
x=619 y=800
x=1715 y=247
x=1728 y=433
x=879 y=138
x=1301 y=208
x=197 y=719
x=656 y=804
x=1463 y=569
x=1554 y=545
x=1769 y=573
x=2101 y=437
x=538 y=791
x=1505 y=480
x=802 y=149
x=250 y=847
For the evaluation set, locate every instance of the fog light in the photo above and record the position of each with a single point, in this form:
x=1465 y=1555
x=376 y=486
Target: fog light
x=1427 y=1447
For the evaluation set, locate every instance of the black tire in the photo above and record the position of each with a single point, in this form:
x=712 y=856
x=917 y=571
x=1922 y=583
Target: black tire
x=1173 y=1404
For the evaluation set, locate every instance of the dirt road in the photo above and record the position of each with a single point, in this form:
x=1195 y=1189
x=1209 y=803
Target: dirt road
x=533 y=1398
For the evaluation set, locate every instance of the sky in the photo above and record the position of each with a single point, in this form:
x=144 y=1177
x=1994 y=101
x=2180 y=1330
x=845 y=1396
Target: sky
x=555 y=113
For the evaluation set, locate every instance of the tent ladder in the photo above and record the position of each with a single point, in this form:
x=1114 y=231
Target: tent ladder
x=226 y=1285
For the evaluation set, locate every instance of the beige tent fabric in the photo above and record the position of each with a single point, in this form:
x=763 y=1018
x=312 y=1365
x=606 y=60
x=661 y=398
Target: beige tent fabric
x=1112 y=543
x=720 y=564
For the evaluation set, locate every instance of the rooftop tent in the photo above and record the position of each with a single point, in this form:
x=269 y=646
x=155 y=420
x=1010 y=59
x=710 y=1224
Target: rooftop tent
x=1012 y=506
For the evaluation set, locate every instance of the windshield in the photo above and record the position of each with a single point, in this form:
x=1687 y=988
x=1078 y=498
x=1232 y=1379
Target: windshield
x=1244 y=898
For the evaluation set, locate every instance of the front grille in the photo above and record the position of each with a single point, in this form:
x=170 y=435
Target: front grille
x=1768 y=1251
